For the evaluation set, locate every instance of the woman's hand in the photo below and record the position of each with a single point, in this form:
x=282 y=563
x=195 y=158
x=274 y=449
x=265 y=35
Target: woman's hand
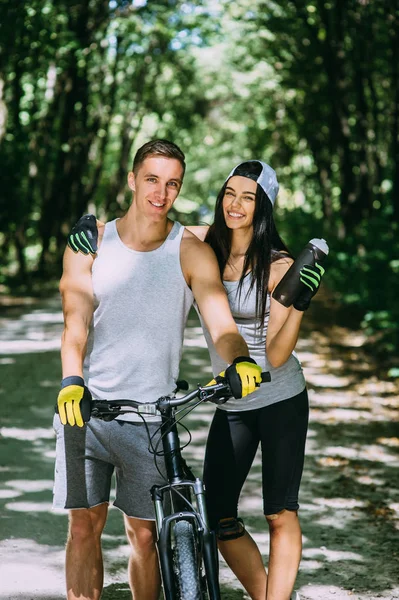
x=84 y=235
x=310 y=276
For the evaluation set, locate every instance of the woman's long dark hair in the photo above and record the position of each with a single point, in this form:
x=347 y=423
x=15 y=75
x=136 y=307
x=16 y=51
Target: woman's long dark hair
x=266 y=245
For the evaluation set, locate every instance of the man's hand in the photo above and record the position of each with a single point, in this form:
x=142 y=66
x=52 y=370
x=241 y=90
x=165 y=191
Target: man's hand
x=84 y=235
x=243 y=376
x=74 y=402
x=311 y=278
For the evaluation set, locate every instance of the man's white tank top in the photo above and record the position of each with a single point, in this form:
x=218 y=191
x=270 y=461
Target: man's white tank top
x=141 y=304
x=286 y=381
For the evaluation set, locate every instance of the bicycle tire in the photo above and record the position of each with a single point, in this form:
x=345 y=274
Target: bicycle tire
x=186 y=562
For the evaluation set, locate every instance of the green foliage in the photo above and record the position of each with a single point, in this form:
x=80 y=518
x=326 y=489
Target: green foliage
x=363 y=270
x=329 y=74
x=312 y=88
x=84 y=83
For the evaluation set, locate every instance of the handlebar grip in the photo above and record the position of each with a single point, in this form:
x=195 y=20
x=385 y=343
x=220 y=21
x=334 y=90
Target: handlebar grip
x=266 y=377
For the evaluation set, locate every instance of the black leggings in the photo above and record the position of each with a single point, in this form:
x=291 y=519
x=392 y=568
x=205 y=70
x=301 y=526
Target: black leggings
x=231 y=447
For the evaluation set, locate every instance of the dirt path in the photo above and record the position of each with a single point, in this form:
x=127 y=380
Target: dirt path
x=349 y=497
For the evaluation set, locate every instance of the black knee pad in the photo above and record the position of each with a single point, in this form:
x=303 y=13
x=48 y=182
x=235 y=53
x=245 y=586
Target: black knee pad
x=230 y=529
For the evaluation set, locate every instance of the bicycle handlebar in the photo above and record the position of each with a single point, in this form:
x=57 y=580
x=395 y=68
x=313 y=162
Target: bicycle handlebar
x=218 y=393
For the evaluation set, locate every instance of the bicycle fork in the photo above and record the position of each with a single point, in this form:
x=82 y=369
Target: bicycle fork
x=207 y=538
x=181 y=483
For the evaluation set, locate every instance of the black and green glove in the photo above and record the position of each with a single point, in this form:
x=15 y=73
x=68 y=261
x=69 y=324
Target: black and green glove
x=74 y=402
x=243 y=376
x=310 y=276
x=84 y=235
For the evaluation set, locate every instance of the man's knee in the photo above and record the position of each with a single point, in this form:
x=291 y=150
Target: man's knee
x=141 y=534
x=87 y=523
x=230 y=528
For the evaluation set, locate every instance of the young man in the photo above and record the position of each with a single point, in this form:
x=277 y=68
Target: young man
x=125 y=311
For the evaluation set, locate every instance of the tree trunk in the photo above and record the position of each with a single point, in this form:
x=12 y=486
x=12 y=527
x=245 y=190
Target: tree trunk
x=395 y=123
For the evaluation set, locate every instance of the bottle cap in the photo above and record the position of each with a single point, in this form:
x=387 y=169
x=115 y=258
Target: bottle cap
x=321 y=244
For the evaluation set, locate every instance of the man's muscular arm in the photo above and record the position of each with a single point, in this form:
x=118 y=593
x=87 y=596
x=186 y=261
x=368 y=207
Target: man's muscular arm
x=77 y=303
x=202 y=273
x=77 y=300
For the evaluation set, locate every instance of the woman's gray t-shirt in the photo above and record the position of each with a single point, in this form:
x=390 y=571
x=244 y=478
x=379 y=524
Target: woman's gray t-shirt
x=286 y=381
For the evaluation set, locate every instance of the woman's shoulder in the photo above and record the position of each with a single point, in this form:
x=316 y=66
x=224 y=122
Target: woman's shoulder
x=199 y=231
x=280 y=259
x=278 y=268
x=281 y=256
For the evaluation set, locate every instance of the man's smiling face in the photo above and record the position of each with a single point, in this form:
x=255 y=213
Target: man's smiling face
x=156 y=185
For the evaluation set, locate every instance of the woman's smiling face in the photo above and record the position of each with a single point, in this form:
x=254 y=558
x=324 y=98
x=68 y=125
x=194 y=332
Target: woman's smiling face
x=239 y=202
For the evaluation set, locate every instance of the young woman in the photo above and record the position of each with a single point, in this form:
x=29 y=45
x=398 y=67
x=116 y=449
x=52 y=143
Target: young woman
x=252 y=260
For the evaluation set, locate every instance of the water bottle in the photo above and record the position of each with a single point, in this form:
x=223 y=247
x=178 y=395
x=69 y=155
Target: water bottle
x=290 y=286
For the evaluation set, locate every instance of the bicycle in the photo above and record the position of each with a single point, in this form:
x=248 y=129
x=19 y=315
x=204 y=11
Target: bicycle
x=187 y=548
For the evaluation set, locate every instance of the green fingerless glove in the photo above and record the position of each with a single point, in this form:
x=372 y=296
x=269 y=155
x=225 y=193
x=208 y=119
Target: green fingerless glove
x=74 y=402
x=243 y=376
x=84 y=235
x=311 y=277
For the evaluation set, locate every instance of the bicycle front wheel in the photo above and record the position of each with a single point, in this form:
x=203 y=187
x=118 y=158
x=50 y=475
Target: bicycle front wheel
x=187 y=562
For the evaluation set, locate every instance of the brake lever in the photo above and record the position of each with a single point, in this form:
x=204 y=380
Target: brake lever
x=212 y=395
x=104 y=411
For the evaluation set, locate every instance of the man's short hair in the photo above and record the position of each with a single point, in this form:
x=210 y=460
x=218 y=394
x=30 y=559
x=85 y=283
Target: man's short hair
x=158 y=148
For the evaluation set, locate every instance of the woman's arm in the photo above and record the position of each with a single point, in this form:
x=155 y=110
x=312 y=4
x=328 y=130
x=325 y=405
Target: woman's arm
x=86 y=234
x=284 y=323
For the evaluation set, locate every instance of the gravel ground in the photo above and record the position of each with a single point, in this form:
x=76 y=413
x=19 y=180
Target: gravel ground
x=349 y=496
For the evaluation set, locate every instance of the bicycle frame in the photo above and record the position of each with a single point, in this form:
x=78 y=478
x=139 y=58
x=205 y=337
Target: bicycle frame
x=182 y=483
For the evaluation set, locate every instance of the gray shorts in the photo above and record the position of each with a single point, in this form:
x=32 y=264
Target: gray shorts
x=86 y=458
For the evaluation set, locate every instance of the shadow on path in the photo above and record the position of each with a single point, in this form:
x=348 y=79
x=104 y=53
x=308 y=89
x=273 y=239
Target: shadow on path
x=349 y=496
